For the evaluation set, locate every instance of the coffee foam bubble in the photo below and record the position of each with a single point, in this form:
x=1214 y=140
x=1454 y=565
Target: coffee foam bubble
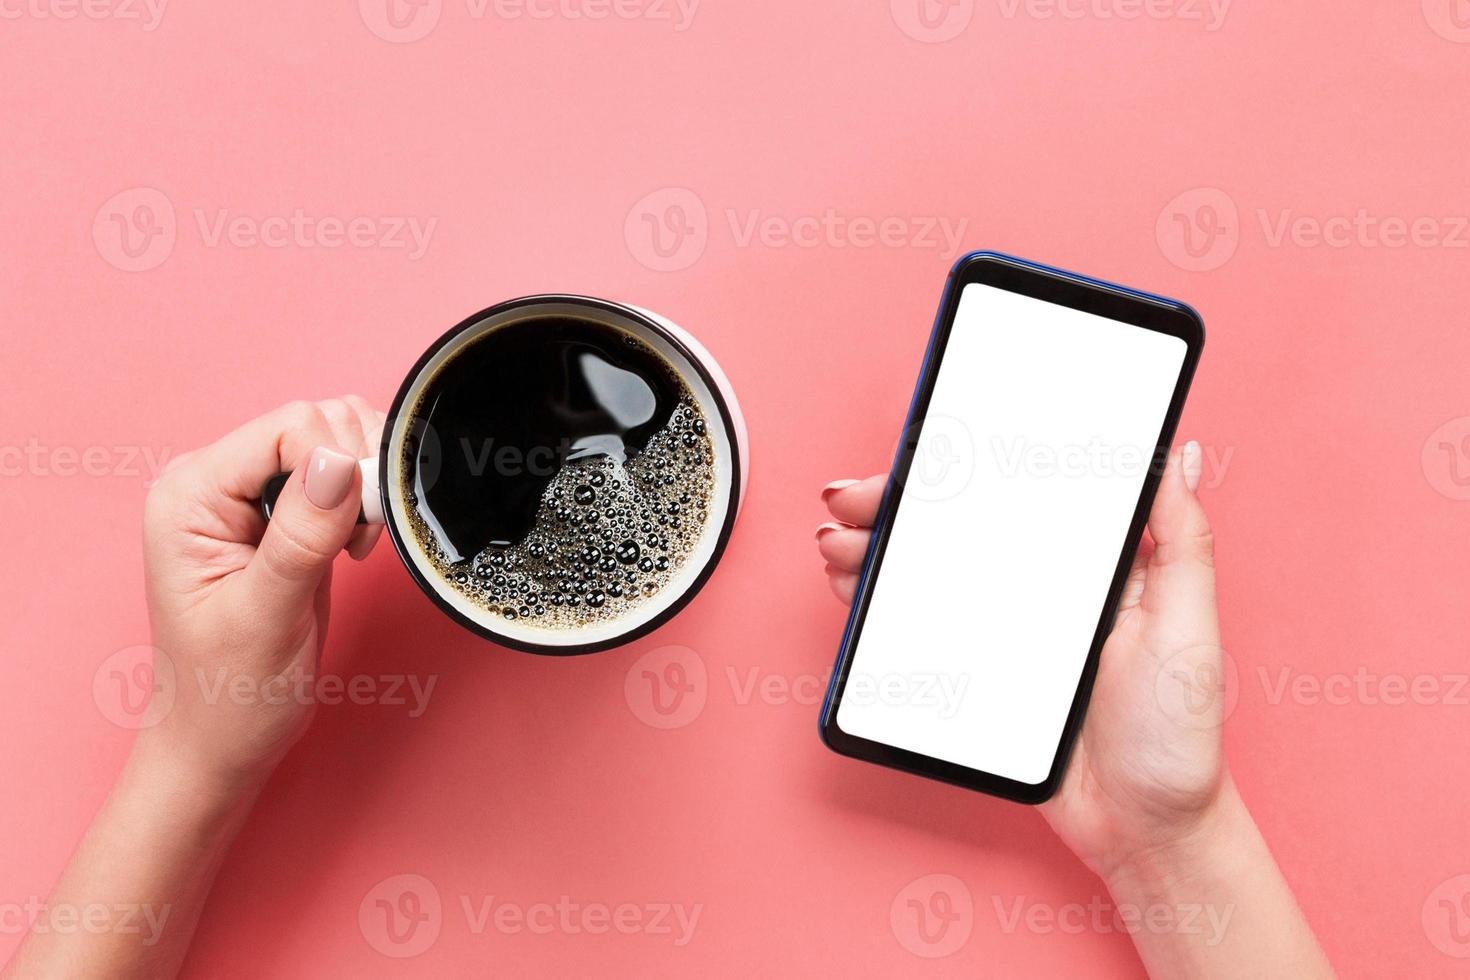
x=609 y=535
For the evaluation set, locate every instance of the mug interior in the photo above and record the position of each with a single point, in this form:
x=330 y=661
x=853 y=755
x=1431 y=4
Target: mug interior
x=710 y=393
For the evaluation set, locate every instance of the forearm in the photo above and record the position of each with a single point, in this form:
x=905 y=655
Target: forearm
x=1219 y=904
x=128 y=902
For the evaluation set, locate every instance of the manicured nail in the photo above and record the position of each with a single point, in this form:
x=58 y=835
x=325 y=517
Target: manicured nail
x=828 y=526
x=836 y=485
x=1193 y=465
x=329 y=477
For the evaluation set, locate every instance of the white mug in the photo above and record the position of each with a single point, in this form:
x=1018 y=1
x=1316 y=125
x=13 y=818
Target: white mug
x=384 y=495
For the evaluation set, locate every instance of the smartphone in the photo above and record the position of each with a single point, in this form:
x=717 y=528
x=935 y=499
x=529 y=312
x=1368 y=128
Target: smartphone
x=1044 y=412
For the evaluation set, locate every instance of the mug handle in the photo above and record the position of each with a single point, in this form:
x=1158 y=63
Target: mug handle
x=371 y=511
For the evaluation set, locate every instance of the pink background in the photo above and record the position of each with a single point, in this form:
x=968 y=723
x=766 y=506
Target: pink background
x=1328 y=374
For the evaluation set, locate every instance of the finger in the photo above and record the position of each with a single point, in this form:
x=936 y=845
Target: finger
x=1137 y=576
x=345 y=420
x=843 y=546
x=365 y=537
x=363 y=540
x=346 y=425
x=855 y=501
x=312 y=520
x=844 y=584
x=1180 y=585
x=372 y=420
x=224 y=479
x=279 y=441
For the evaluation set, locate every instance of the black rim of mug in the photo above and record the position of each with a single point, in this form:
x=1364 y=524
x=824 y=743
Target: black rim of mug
x=403 y=546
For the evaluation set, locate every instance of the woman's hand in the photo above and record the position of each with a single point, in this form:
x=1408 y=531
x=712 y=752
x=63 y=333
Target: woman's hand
x=1139 y=779
x=239 y=613
x=239 y=605
x=1147 y=801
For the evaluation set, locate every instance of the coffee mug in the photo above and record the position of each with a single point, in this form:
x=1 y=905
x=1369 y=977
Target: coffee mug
x=388 y=498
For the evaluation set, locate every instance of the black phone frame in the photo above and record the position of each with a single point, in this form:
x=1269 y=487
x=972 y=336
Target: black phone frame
x=1077 y=292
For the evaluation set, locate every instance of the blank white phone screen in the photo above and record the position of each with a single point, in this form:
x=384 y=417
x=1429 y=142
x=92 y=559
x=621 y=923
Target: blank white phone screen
x=1030 y=464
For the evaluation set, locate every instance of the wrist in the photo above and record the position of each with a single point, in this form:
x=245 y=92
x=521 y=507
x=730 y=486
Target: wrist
x=1192 y=851
x=201 y=785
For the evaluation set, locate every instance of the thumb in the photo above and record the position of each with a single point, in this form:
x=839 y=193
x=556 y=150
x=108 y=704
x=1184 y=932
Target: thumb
x=1180 y=587
x=312 y=520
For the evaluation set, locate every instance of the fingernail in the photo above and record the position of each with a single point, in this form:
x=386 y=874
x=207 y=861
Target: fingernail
x=828 y=526
x=328 y=477
x=836 y=485
x=1193 y=465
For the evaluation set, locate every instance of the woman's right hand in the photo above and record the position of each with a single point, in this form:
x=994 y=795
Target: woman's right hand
x=1139 y=779
x=1147 y=801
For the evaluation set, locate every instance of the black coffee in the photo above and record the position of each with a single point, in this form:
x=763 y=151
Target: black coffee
x=558 y=470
